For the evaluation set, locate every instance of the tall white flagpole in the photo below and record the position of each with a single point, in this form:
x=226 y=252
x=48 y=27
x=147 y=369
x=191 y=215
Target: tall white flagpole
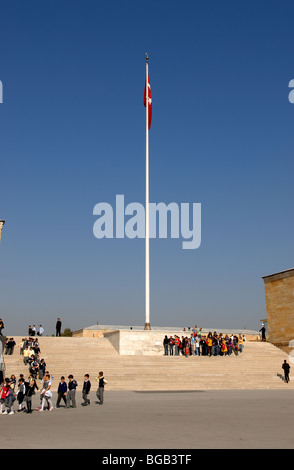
x=147 y=265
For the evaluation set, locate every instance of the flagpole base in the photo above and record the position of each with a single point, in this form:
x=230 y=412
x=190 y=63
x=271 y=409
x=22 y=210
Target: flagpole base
x=147 y=326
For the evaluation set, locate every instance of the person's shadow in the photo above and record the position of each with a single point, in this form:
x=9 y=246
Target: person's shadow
x=281 y=377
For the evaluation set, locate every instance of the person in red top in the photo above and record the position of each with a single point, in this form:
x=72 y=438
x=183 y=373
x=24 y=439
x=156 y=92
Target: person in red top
x=177 y=345
x=6 y=393
x=187 y=347
x=2 y=397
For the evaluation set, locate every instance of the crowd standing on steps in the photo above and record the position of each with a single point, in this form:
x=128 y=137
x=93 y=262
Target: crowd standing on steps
x=198 y=344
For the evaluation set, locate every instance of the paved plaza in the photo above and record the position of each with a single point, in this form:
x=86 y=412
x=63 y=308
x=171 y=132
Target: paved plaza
x=228 y=419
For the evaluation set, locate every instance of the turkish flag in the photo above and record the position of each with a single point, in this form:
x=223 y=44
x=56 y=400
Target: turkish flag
x=149 y=102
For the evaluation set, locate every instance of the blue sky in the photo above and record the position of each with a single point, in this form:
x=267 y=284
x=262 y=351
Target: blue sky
x=72 y=134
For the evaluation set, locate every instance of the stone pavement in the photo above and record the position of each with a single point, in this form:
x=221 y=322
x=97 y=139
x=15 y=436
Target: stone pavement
x=199 y=419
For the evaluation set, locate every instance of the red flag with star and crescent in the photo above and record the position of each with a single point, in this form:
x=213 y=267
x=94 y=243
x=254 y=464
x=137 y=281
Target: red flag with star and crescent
x=149 y=102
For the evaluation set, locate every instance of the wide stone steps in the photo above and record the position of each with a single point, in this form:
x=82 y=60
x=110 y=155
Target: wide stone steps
x=258 y=367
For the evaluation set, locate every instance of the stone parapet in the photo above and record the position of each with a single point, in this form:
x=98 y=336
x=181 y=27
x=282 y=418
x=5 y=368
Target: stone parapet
x=85 y=333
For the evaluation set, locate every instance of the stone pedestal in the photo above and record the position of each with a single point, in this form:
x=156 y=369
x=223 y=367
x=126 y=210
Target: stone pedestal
x=139 y=342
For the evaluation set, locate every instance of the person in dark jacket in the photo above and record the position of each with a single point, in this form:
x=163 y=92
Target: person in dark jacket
x=286 y=368
x=21 y=394
x=262 y=331
x=100 y=391
x=61 y=392
x=30 y=388
x=71 y=392
x=86 y=390
x=165 y=345
x=42 y=369
x=203 y=345
x=58 y=327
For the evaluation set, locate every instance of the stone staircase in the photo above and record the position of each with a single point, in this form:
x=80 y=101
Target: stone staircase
x=258 y=367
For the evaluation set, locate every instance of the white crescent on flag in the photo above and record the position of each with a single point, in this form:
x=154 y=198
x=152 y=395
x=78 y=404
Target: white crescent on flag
x=149 y=101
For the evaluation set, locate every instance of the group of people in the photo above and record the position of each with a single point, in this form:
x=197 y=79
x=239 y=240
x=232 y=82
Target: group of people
x=30 y=350
x=23 y=390
x=198 y=344
x=32 y=330
x=66 y=392
x=28 y=345
x=9 y=346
